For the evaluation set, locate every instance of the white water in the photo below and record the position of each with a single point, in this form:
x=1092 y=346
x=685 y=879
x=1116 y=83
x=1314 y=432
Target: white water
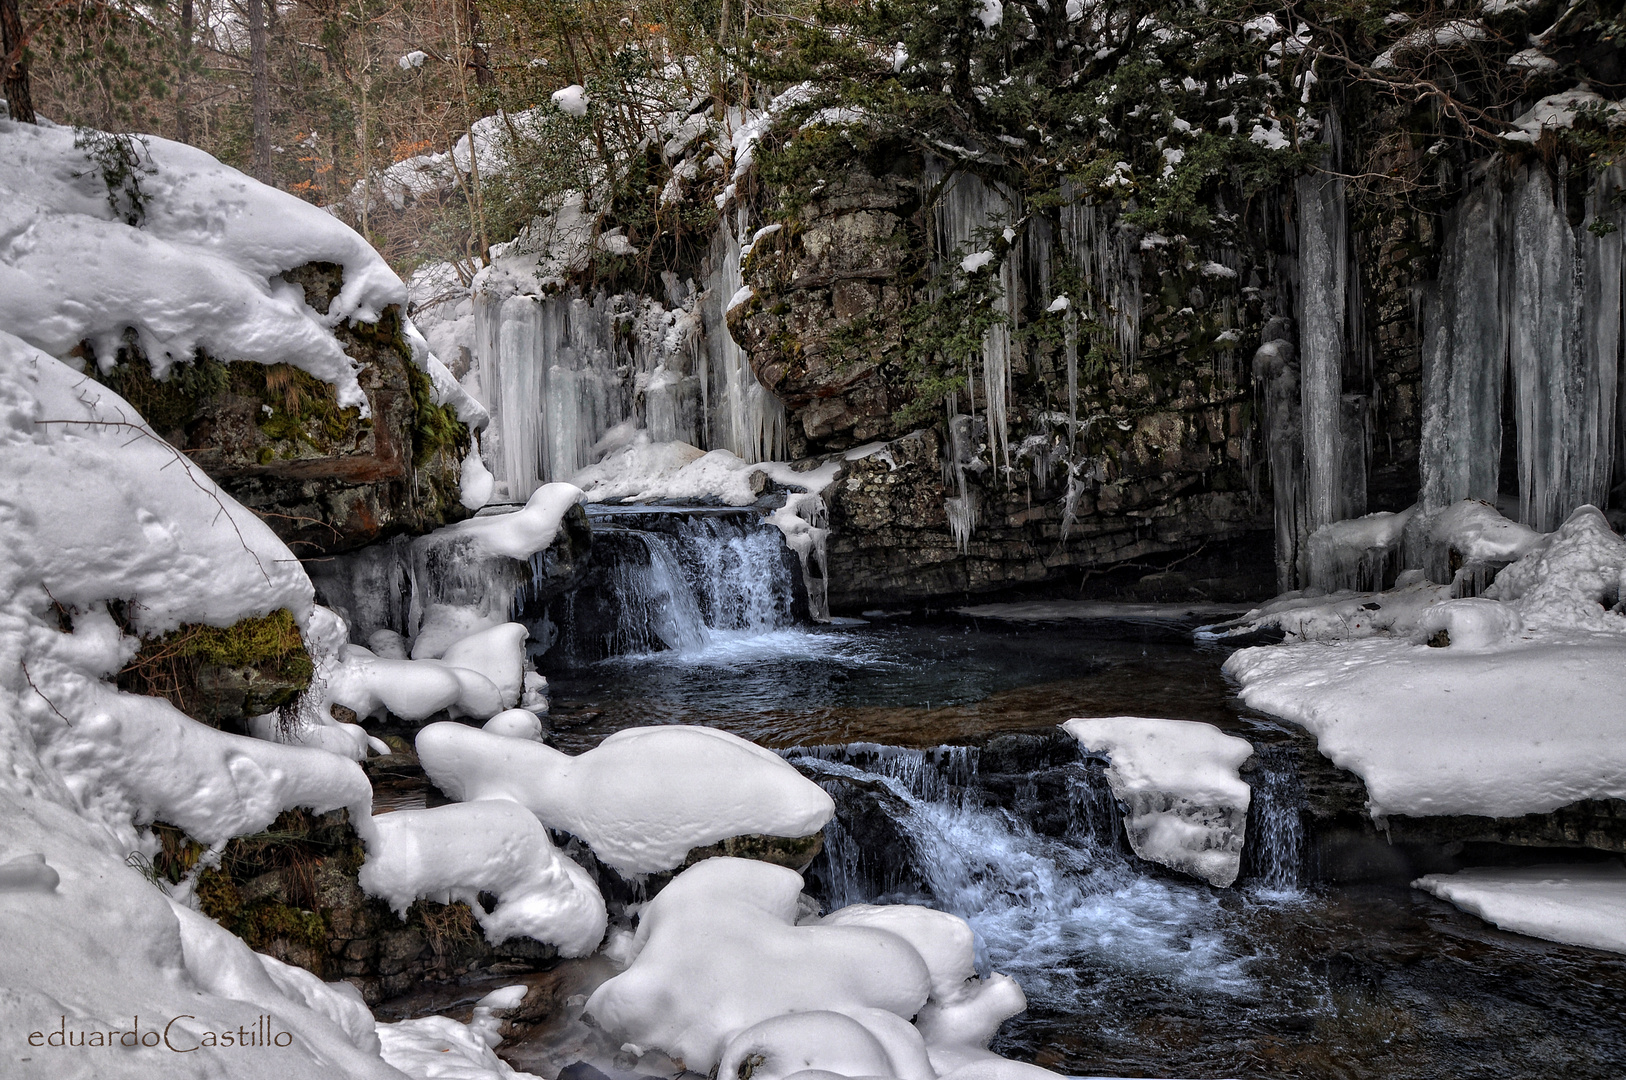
x=1043 y=908
x=710 y=581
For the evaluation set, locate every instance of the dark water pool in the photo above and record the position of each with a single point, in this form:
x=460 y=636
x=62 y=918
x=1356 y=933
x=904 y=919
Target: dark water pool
x=1130 y=971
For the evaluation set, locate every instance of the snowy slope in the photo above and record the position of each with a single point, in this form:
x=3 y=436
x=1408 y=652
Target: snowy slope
x=92 y=513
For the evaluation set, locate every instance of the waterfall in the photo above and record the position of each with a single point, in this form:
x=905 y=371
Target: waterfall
x=1053 y=911
x=671 y=580
x=1274 y=858
x=1522 y=291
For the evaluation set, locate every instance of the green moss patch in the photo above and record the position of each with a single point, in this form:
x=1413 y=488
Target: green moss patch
x=265 y=654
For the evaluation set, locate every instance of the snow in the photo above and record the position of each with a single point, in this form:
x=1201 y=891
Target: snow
x=515 y=724
x=976 y=261
x=1453 y=32
x=571 y=100
x=1186 y=806
x=646 y=471
x=458 y=851
x=1514 y=709
x=1272 y=137
x=726 y=968
x=1559 y=111
x=718 y=951
x=95 y=513
x=498 y=654
x=413 y=59
x=1524 y=729
x=643 y=798
x=522 y=533
x=1576 y=905
x=413 y=690
x=440 y=1048
x=201 y=271
x=990 y=13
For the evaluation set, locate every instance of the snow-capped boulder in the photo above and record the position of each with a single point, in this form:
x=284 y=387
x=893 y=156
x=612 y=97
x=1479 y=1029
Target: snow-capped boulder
x=1185 y=806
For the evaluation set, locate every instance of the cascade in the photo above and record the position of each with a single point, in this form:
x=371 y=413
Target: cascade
x=1523 y=291
x=670 y=579
x=1274 y=858
x=1049 y=910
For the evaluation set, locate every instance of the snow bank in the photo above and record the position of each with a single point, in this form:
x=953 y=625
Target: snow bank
x=201 y=270
x=523 y=533
x=93 y=513
x=1186 y=807
x=414 y=690
x=1524 y=729
x=647 y=471
x=458 y=851
x=1576 y=905
x=641 y=799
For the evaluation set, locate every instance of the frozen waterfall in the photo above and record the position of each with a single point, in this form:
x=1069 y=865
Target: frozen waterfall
x=1528 y=300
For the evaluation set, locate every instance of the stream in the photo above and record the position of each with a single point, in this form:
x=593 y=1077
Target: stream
x=936 y=736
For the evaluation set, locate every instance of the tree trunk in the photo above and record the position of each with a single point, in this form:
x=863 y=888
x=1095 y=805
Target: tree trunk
x=13 y=65
x=183 y=104
x=478 y=59
x=260 y=100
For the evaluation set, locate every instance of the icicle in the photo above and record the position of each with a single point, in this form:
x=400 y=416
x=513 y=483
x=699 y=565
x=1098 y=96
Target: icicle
x=742 y=416
x=1334 y=439
x=1464 y=357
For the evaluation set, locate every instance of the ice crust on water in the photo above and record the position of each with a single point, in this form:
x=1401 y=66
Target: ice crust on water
x=458 y=851
x=643 y=798
x=1186 y=804
x=1576 y=905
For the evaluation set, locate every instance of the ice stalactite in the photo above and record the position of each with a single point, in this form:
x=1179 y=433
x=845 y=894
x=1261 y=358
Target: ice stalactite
x=1523 y=292
x=1276 y=389
x=741 y=415
x=1334 y=423
x=1564 y=351
x=1105 y=254
x=562 y=373
x=1465 y=357
x=972 y=218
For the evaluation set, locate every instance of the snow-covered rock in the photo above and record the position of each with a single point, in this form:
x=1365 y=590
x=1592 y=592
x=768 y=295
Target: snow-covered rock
x=456 y=852
x=1185 y=805
x=1577 y=905
x=98 y=509
x=643 y=798
x=200 y=268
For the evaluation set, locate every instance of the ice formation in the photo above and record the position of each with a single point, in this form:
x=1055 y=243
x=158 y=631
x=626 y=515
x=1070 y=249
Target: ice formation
x=456 y=852
x=1500 y=705
x=643 y=798
x=1186 y=807
x=1577 y=905
x=725 y=967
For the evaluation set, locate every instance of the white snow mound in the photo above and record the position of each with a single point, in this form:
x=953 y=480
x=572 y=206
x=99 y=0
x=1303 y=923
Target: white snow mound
x=643 y=798
x=1576 y=905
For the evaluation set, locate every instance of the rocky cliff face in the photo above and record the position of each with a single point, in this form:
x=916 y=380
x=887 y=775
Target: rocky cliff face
x=324 y=478
x=1133 y=462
